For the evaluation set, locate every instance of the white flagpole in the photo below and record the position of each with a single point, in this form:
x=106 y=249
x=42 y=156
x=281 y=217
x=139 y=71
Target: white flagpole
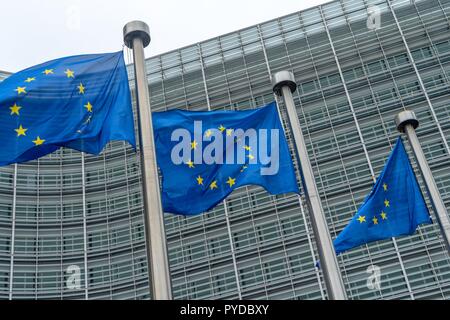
x=284 y=85
x=136 y=36
x=407 y=123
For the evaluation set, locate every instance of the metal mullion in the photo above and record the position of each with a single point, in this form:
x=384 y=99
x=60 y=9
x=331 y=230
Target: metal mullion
x=419 y=78
x=385 y=131
x=83 y=187
x=208 y=261
x=390 y=144
x=317 y=165
x=181 y=63
x=37 y=230
x=298 y=196
x=62 y=285
x=227 y=220
x=246 y=68
x=432 y=46
x=319 y=281
x=397 y=91
x=130 y=219
x=129 y=56
x=13 y=233
x=362 y=140
x=307 y=128
x=224 y=72
x=107 y=225
x=436 y=56
x=274 y=202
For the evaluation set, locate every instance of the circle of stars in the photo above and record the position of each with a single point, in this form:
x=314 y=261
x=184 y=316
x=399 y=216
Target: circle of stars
x=382 y=215
x=214 y=184
x=22 y=91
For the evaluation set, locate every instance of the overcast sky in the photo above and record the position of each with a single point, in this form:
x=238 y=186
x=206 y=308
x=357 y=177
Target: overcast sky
x=34 y=31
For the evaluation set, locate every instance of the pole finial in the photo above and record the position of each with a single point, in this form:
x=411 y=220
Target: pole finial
x=136 y=29
x=283 y=78
x=406 y=117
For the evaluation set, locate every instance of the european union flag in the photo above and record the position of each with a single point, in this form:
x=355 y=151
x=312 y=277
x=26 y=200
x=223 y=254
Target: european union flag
x=394 y=207
x=204 y=156
x=80 y=102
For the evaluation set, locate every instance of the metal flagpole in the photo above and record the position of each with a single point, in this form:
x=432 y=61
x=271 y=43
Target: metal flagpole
x=284 y=85
x=136 y=36
x=407 y=123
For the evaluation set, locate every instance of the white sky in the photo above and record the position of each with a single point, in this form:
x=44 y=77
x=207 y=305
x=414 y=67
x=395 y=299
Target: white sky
x=34 y=31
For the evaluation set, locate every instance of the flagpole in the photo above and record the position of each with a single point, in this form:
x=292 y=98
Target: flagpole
x=407 y=123
x=284 y=85
x=136 y=36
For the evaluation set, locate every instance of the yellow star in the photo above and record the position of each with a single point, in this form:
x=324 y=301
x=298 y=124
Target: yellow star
x=229 y=132
x=20 y=131
x=361 y=219
x=222 y=128
x=231 y=181
x=194 y=144
x=15 y=109
x=20 y=90
x=248 y=148
x=385 y=186
x=190 y=164
x=81 y=88
x=375 y=220
x=386 y=203
x=251 y=157
x=243 y=168
x=208 y=133
x=38 y=141
x=213 y=185
x=47 y=71
x=69 y=73
x=88 y=106
x=200 y=180
x=30 y=79
x=383 y=215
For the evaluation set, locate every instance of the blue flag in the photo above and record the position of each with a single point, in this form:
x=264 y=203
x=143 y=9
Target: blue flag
x=204 y=156
x=80 y=102
x=394 y=207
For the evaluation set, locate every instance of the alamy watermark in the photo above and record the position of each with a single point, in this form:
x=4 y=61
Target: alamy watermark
x=73 y=17
x=374 y=278
x=374 y=18
x=241 y=147
x=73 y=281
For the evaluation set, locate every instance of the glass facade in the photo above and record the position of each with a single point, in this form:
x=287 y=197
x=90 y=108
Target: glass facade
x=70 y=209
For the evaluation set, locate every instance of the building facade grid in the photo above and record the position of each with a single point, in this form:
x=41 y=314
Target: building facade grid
x=70 y=209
